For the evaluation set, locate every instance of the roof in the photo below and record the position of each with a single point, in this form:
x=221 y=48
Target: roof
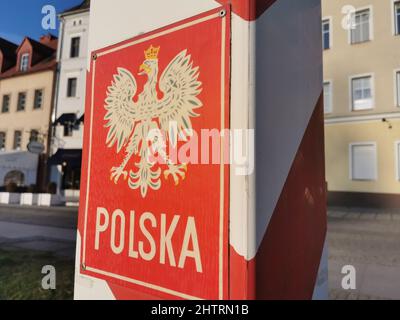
x=38 y=47
x=49 y=40
x=84 y=6
x=7 y=48
x=48 y=64
x=45 y=56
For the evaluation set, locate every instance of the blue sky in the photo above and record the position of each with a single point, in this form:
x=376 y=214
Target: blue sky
x=19 y=18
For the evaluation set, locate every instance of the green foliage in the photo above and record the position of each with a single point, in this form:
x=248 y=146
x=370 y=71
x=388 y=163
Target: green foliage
x=21 y=277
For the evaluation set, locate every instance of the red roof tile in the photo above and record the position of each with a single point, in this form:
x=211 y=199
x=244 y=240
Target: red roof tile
x=44 y=51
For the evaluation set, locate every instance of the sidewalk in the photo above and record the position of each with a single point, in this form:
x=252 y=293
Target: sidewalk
x=367 y=239
x=61 y=217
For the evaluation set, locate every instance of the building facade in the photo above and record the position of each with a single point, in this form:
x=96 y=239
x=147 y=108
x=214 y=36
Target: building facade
x=361 y=42
x=27 y=77
x=70 y=97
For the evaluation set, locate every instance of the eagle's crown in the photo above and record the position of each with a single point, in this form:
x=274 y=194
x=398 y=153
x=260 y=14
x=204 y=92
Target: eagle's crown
x=151 y=53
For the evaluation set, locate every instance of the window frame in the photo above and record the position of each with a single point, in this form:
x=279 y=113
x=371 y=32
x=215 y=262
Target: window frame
x=68 y=130
x=330 y=82
x=26 y=99
x=72 y=37
x=396 y=87
x=68 y=86
x=329 y=21
x=5 y=140
x=371 y=25
x=20 y=138
x=24 y=55
x=34 y=99
x=9 y=103
x=360 y=76
x=397 y=159
x=363 y=143
x=37 y=135
x=395 y=25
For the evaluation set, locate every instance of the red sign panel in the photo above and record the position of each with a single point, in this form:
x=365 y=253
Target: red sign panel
x=153 y=219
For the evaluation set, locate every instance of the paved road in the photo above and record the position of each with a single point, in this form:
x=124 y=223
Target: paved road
x=370 y=241
x=367 y=239
x=42 y=229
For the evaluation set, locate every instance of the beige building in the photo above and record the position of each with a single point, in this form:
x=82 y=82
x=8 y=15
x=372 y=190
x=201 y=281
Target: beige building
x=26 y=99
x=361 y=40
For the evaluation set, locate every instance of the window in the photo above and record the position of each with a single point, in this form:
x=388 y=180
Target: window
x=71 y=178
x=362 y=97
x=363 y=162
x=2 y=141
x=5 y=106
x=75 y=44
x=68 y=130
x=361 y=30
x=24 y=63
x=34 y=135
x=38 y=101
x=71 y=90
x=327 y=97
x=21 y=101
x=326 y=34
x=398 y=88
x=397 y=151
x=397 y=17
x=17 y=140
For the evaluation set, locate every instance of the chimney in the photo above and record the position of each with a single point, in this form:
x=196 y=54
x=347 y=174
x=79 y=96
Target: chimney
x=49 y=40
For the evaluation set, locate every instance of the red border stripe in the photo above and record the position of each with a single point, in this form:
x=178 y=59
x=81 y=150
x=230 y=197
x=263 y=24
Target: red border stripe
x=287 y=262
x=288 y=259
x=248 y=9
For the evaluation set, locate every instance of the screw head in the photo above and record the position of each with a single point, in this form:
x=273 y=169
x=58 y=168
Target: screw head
x=83 y=266
x=222 y=13
x=94 y=57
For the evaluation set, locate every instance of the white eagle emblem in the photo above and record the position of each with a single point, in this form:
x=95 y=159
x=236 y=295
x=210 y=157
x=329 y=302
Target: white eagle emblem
x=130 y=122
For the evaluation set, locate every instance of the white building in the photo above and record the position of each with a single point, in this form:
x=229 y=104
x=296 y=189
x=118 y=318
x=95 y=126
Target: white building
x=70 y=98
x=19 y=167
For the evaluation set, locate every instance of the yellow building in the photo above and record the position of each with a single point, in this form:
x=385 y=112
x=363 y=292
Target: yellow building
x=27 y=79
x=361 y=40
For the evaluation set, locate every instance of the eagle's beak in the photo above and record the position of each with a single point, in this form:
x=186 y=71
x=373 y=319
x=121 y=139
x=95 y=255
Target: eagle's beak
x=144 y=69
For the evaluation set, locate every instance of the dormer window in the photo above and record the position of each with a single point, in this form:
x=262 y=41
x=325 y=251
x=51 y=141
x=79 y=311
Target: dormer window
x=24 y=63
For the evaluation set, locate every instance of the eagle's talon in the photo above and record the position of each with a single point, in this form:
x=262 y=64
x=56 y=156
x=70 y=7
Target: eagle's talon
x=176 y=171
x=116 y=173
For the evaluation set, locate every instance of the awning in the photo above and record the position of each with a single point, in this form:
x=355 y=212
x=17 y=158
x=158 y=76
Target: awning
x=66 y=118
x=69 y=157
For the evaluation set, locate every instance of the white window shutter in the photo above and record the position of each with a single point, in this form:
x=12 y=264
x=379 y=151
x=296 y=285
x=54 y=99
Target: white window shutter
x=363 y=162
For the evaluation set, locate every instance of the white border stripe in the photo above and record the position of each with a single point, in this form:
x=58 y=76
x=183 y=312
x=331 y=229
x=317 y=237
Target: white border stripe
x=162 y=33
x=222 y=173
x=89 y=164
x=144 y=284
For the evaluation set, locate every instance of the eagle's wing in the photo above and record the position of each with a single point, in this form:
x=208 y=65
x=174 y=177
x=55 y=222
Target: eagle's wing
x=121 y=111
x=180 y=85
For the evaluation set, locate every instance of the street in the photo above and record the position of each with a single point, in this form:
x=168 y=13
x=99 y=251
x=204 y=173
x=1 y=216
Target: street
x=364 y=238
x=31 y=238
x=370 y=241
x=42 y=229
